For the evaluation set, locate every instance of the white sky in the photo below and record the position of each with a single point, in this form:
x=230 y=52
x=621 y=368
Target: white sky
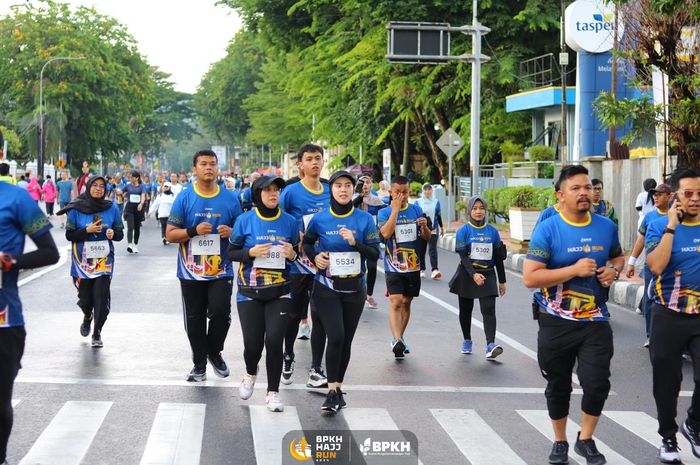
x=181 y=37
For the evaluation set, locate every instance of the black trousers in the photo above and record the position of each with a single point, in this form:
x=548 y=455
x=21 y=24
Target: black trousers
x=371 y=276
x=672 y=334
x=202 y=300
x=301 y=298
x=94 y=299
x=133 y=226
x=49 y=208
x=429 y=246
x=561 y=344
x=263 y=325
x=11 y=350
x=163 y=226
x=340 y=314
x=488 y=312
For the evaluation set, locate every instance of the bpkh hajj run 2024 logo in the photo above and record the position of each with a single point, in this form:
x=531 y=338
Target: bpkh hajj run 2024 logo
x=342 y=447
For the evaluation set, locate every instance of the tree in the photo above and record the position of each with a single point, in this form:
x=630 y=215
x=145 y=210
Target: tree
x=659 y=37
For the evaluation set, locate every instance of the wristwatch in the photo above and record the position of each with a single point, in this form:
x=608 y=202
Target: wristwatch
x=669 y=231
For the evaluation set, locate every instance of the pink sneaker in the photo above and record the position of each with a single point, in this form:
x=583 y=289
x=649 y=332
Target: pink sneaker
x=371 y=303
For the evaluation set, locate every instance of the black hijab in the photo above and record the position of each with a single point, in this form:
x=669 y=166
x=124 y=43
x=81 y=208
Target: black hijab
x=258 y=185
x=337 y=207
x=85 y=203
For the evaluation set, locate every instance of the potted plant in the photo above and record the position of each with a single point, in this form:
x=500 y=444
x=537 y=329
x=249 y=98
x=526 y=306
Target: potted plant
x=522 y=213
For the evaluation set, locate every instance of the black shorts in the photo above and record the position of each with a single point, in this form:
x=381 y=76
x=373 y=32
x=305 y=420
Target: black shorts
x=406 y=284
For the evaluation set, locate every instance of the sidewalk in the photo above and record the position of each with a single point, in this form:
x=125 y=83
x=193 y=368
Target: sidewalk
x=624 y=292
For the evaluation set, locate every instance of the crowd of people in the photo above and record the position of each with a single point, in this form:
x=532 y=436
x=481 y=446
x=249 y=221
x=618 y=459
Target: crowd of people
x=307 y=251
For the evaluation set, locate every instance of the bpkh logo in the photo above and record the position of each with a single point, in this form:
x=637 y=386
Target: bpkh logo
x=372 y=447
x=319 y=447
x=300 y=449
x=601 y=22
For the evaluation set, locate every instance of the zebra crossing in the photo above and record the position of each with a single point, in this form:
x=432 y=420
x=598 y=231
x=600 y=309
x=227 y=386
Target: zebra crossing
x=177 y=431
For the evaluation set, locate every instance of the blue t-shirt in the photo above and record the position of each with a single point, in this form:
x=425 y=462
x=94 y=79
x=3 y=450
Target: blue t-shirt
x=147 y=189
x=559 y=243
x=324 y=227
x=653 y=215
x=403 y=248
x=95 y=256
x=480 y=242
x=252 y=229
x=131 y=194
x=247 y=198
x=19 y=216
x=65 y=188
x=678 y=287
x=302 y=203
x=546 y=213
x=198 y=258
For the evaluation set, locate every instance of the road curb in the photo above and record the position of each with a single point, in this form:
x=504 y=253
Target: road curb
x=624 y=293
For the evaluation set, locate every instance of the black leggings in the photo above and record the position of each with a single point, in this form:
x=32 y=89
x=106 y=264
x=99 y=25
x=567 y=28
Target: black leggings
x=340 y=314
x=263 y=325
x=11 y=350
x=49 y=208
x=371 y=276
x=301 y=294
x=94 y=299
x=488 y=313
x=133 y=226
x=163 y=225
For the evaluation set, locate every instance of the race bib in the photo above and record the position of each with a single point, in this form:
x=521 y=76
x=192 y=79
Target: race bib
x=206 y=245
x=307 y=218
x=96 y=249
x=345 y=263
x=481 y=251
x=405 y=232
x=273 y=260
x=134 y=198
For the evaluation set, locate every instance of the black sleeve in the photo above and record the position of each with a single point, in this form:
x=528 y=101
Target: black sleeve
x=45 y=254
x=466 y=262
x=79 y=235
x=370 y=252
x=501 y=271
x=357 y=201
x=638 y=208
x=118 y=234
x=238 y=253
x=438 y=218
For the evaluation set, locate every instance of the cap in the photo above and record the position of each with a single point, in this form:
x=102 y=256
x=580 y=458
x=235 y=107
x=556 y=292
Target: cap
x=342 y=174
x=167 y=184
x=263 y=181
x=427 y=184
x=662 y=188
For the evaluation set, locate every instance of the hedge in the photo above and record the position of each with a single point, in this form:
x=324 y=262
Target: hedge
x=501 y=200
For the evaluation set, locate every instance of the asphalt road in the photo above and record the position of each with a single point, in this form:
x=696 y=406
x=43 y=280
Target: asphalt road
x=128 y=403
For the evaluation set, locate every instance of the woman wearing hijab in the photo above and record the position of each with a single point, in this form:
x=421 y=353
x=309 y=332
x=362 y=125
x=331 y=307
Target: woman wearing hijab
x=50 y=194
x=34 y=189
x=340 y=240
x=480 y=251
x=93 y=223
x=162 y=207
x=264 y=241
x=134 y=199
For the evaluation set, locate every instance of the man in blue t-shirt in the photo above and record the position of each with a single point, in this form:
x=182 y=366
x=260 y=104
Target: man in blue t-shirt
x=401 y=226
x=568 y=261
x=19 y=217
x=201 y=221
x=672 y=245
x=65 y=194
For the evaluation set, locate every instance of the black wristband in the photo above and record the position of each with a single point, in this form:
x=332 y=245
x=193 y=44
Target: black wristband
x=192 y=231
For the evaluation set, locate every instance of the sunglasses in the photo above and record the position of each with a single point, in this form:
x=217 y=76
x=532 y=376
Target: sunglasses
x=690 y=193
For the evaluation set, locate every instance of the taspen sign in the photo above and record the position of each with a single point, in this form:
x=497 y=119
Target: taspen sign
x=590 y=26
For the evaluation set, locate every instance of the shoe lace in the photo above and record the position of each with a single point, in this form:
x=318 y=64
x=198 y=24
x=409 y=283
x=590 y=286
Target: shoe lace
x=288 y=362
x=559 y=447
x=248 y=381
x=274 y=398
x=671 y=445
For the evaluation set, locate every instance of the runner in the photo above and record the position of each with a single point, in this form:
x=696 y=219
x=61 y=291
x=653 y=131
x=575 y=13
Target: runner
x=431 y=208
x=19 y=216
x=302 y=200
x=264 y=241
x=135 y=197
x=400 y=226
x=600 y=206
x=480 y=251
x=65 y=194
x=200 y=221
x=672 y=255
x=339 y=240
x=567 y=260
x=5 y=175
x=50 y=194
x=175 y=187
x=661 y=195
x=247 y=194
x=162 y=206
x=93 y=224
x=148 y=189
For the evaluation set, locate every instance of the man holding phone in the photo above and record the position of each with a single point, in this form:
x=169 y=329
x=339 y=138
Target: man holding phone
x=672 y=245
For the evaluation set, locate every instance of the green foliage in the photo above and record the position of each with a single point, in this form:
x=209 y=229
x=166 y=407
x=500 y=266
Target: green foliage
x=541 y=153
x=510 y=151
x=14 y=143
x=415 y=189
x=501 y=200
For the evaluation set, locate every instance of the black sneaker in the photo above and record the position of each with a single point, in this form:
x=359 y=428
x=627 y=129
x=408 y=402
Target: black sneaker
x=341 y=398
x=668 y=452
x=198 y=373
x=560 y=453
x=85 y=327
x=97 y=341
x=287 y=368
x=219 y=365
x=692 y=436
x=332 y=403
x=398 y=348
x=586 y=448
x=317 y=379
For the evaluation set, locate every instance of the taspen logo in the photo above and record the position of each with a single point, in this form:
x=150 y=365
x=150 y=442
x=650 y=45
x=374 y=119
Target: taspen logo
x=601 y=22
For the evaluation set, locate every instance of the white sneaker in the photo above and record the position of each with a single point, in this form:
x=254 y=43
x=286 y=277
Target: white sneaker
x=422 y=274
x=274 y=403
x=371 y=303
x=436 y=275
x=135 y=248
x=638 y=311
x=304 y=331
x=245 y=389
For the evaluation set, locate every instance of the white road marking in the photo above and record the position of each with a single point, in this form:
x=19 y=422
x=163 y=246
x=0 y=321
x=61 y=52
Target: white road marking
x=64 y=251
x=269 y=428
x=176 y=435
x=15 y=402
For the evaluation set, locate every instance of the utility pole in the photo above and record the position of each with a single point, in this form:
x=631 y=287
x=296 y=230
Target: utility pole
x=613 y=83
x=476 y=106
x=563 y=62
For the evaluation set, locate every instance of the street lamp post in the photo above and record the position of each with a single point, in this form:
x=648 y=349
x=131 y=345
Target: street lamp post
x=40 y=156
